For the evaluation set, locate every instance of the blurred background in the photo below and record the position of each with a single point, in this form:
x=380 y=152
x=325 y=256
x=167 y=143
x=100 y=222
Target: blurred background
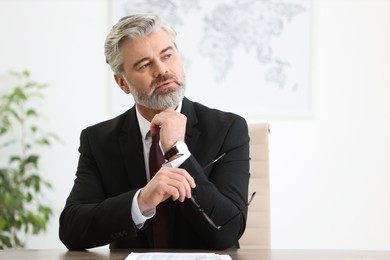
x=329 y=169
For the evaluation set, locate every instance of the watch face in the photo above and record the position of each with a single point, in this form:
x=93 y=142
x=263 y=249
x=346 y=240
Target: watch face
x=181 y=147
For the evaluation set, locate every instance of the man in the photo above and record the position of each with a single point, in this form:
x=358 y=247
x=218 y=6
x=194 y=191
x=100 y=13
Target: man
x=116 y=197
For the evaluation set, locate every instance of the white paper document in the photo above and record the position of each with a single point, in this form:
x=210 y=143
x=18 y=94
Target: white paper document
x=177 y=256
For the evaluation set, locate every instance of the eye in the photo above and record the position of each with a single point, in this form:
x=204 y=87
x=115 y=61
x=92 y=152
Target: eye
x=167 y=56
x=144 y=66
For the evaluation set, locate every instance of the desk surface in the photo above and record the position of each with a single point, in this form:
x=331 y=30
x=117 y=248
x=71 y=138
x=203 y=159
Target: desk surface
x=241 y=254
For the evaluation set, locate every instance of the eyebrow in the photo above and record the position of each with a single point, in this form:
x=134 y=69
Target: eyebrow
x=135 y=65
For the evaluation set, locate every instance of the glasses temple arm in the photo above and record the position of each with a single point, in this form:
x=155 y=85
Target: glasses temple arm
x=238 y=213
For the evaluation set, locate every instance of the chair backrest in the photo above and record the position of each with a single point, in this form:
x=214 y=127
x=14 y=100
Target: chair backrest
x=257 y=233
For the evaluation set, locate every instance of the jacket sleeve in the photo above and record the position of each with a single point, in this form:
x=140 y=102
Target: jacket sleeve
x=222 y=188
x=89 y=218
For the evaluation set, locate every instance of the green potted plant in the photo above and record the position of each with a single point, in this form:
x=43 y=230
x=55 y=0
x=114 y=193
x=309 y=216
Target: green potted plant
x=23 y=208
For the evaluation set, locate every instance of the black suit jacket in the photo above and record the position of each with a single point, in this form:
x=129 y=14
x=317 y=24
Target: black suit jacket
x=111 y=169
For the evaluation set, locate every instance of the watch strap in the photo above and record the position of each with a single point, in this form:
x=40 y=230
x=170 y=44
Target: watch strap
x=171 y=152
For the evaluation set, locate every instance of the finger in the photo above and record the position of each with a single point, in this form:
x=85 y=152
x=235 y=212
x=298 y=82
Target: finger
x=181 y=193
x=186 y=175
x=170 y=188
x=157 y=122
x=182 y=178
x=167 y=183
x=154 y=129
x=155 y=192
x=182 y=184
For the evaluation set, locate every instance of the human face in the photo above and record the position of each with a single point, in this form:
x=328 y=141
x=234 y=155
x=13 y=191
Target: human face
x=153 y=71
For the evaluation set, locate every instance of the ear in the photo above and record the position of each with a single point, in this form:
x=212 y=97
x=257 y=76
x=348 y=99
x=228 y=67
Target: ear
x=121 y=83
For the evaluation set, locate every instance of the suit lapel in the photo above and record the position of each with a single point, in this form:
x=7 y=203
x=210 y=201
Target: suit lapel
x=132 y=150
x=192 y=132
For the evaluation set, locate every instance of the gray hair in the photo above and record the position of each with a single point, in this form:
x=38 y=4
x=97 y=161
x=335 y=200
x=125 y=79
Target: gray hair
x=131 y=27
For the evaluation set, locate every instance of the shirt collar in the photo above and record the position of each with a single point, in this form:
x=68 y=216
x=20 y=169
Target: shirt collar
x=144 y=124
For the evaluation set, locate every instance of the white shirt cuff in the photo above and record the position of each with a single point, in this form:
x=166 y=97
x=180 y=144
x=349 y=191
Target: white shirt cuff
x=139 y=218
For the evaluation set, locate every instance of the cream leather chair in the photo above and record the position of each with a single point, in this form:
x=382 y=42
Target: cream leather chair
x=257 y=233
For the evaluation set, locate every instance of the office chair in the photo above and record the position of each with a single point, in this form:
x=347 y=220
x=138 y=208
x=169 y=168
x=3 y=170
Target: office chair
x=257 y=233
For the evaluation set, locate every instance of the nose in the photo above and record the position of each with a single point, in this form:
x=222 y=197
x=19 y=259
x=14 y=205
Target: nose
x=160 y=69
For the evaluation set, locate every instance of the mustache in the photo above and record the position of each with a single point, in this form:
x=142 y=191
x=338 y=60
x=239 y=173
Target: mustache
x=155 y=83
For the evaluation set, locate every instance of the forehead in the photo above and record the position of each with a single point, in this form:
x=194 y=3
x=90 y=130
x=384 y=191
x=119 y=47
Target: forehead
x=144 y=47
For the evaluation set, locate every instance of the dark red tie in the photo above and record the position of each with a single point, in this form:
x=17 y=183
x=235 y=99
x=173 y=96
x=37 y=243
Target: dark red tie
x=160 y=219
x=156 y=158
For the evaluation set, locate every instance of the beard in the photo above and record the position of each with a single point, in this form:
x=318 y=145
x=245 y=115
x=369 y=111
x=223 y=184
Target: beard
x=170 y=97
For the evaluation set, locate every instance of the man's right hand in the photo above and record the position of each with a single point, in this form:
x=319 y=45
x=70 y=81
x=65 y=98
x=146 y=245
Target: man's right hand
x=172 y=127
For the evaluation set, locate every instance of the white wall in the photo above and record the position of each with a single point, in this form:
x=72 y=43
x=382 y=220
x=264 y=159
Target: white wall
x=330 y=172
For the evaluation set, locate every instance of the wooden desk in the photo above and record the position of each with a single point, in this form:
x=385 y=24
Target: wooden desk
x=241 y=254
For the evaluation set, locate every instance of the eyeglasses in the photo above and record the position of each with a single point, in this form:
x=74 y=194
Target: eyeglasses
x=212 y=223
x=209 y=220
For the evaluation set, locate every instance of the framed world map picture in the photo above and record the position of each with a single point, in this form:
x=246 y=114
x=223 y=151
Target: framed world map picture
x=250 y=57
